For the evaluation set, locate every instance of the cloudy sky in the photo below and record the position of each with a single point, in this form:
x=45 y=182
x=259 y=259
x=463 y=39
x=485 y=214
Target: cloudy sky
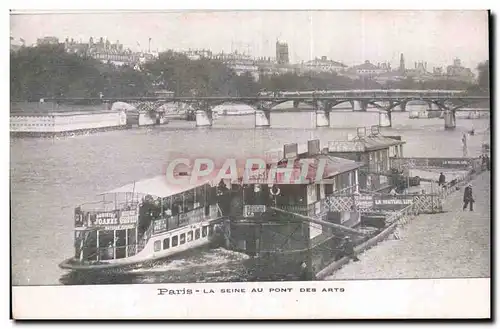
x=347 y=36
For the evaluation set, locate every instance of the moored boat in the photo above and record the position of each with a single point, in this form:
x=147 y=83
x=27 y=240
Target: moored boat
x=143 y=221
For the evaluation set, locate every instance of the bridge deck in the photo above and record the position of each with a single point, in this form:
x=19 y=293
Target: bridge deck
x=379 y=97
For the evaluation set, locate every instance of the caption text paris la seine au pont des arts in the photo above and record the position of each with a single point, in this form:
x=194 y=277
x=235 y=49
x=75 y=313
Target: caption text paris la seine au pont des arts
x=184 y=291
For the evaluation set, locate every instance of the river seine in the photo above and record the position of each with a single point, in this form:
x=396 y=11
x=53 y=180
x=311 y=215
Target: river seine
x=49 y=177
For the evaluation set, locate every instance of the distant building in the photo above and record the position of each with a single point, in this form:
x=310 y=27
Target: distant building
x=458 y=72
x=239 y=63
x=369 y=70
x=419 y=72
x=322 y=64
x=47 y=41
x=106 y=51
x=196 y=54
x=389 y=76
x=282 y=53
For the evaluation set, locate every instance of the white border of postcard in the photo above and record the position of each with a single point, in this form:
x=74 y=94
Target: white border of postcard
x=443 y=298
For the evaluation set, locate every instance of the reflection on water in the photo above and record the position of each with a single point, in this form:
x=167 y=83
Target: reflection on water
x=50 y=176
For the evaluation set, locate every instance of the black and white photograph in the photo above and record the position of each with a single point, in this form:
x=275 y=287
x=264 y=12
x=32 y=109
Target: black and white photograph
x=213 y=153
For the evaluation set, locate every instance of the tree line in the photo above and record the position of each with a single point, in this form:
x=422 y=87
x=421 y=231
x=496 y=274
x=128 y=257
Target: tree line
x=48 y=71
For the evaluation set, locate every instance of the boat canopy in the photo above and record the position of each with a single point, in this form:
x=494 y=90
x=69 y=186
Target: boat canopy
x=161 y=186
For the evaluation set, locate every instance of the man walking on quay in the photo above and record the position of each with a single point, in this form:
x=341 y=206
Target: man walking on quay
x=468 y=199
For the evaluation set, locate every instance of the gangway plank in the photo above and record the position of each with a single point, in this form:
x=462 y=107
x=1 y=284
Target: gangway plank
x=319 y=221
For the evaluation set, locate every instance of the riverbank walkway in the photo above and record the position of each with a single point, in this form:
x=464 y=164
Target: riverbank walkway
x=452 y=244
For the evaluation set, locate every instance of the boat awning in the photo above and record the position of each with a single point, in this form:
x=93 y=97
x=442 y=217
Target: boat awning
x=161 y=186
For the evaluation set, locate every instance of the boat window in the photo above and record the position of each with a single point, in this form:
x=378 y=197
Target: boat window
x=204 y=231
x=157 y=245
x=166 y=243
x=183 y=238
x=197 y=234
x=175 y=241
x=190 y=236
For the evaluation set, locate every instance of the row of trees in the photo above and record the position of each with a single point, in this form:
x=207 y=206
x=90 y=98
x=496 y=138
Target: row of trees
x=48 y=71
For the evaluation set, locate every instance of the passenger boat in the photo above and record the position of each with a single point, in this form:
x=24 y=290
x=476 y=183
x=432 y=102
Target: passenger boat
x=143 y=221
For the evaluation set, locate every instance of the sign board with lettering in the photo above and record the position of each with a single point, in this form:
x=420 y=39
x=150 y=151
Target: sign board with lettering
x=160 y=225
x=107 y=218
x=345 y=146
x=129 y=217
x=251 y=210
x=364 y=201
x=389 y=202
x=455 y=163
x=118 y=227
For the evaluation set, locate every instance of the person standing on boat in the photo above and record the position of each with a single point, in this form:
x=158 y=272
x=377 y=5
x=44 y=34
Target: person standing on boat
x=468 y=198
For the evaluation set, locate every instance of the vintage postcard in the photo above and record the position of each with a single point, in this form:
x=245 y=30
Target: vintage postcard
x=250 y=164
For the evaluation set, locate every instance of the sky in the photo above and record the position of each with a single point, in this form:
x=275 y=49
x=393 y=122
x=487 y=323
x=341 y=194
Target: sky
x=351 y=37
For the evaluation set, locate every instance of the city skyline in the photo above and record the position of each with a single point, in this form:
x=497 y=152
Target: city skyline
x=350 y=37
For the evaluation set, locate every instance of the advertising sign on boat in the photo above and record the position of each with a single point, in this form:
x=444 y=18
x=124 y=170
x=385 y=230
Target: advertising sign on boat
x=251 y=210
x=129 y=217
x=364 y=201
x=107 y=218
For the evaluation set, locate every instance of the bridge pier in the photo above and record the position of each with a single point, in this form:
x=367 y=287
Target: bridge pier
x=450 y=121
x=359 y=105
x=384 y=118
x=204 y=116
x=322 y=114
x=295 y=104
x=402 y=106
x=262 y=116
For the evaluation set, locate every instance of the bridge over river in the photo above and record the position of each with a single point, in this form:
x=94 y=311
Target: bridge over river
x=323 y=103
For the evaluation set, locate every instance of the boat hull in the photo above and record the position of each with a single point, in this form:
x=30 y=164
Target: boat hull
x=153 y=251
